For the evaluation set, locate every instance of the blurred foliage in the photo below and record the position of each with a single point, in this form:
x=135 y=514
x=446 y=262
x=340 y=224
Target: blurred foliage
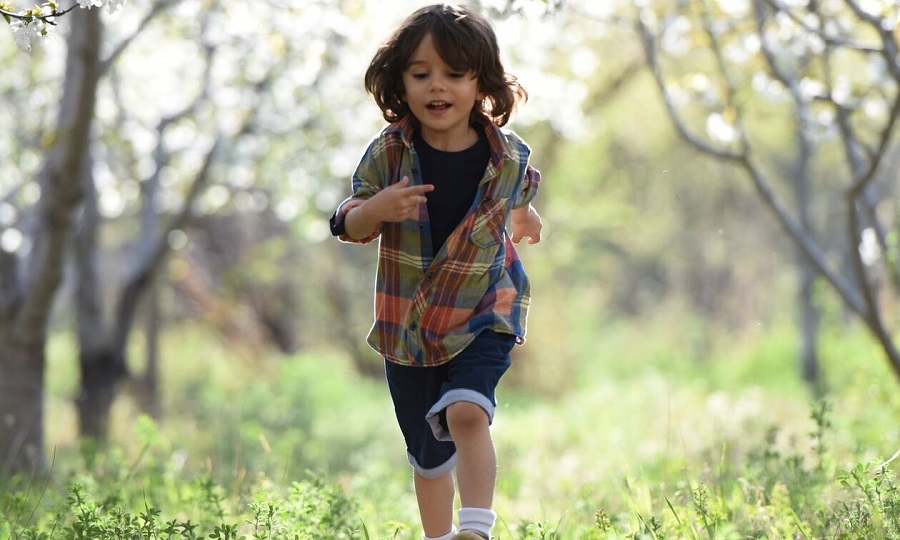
x=636 y=221
x=657 y=395
x=648 y=442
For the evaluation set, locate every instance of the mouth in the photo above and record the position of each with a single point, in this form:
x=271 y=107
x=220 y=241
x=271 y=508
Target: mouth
x=437 y=105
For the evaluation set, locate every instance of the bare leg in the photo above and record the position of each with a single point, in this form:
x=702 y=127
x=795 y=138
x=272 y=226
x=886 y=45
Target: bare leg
x=435 y=496
x=476 y=462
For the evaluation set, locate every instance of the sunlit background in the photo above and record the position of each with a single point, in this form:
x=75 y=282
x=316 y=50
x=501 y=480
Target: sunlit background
x=701 y=283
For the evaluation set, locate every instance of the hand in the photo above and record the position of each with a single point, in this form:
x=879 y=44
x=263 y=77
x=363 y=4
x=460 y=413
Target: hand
x=397 y=202
x=526 y=222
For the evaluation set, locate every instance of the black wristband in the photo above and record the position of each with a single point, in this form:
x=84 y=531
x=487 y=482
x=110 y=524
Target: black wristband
x=337 y=224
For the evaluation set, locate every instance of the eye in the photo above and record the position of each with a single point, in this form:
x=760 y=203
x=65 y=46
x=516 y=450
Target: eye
x=419 y=75
x=457 y=75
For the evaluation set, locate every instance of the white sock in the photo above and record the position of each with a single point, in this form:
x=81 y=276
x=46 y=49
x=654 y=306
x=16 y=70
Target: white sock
x=477 y=519
x=447 y=536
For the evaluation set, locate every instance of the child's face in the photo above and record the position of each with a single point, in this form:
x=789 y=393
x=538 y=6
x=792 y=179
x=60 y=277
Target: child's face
x=440 y=97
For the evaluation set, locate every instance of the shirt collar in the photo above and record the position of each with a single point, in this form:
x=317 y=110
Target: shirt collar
x=406 y=128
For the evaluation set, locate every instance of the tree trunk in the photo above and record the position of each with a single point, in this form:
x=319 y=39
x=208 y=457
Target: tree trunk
x=810 y=316
x=24 y=333
x=100 y=372
x=21 y=405
x=151 y=403
x=96 y=359
x=809 y=329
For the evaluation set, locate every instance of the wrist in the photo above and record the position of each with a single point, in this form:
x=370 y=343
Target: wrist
x=364 y=215
x=360 y=222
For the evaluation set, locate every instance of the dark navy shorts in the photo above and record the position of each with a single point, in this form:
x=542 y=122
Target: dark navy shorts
x=421 y=396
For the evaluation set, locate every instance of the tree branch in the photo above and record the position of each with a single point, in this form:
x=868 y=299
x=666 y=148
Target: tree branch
x=889 y=50
x=864 y=177
x=157 y=8
x=863 y=174
x=58 y=176
x=796 y=231
x=779 y=6
x=650 y=50
x=47 y=18
x=154 y=258
x=153 y=243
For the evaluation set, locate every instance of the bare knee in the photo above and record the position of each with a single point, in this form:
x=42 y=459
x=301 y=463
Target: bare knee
x=466 y=416
x=430 y=482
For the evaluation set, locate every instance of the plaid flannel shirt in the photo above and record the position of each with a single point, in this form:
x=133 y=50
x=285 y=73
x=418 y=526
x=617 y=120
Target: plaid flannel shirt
x=430 y=306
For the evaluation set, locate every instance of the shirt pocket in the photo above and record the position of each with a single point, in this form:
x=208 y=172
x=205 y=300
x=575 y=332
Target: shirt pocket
x=490 y=222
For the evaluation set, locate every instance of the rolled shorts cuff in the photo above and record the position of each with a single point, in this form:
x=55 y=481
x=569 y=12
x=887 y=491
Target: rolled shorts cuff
x=455 y=396
x=434 y=472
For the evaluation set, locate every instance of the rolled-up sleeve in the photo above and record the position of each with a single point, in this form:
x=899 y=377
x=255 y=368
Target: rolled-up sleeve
x=368 y=179
x=530 y=182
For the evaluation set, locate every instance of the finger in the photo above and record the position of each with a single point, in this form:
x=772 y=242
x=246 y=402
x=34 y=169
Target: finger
x=402 y=183
x=425 y=188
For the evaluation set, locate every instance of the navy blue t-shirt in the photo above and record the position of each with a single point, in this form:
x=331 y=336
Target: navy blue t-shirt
x=455 y=177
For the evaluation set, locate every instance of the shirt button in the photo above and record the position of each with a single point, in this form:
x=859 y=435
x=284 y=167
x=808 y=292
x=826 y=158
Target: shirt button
x=429 y=276
x=413 y=326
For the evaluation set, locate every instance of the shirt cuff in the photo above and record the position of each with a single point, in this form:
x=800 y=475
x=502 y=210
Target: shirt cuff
x=336 y=222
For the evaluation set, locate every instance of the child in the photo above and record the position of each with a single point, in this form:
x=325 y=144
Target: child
x=439 y=185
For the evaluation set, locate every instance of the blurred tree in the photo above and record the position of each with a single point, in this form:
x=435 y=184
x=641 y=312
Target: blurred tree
x=242 y=114
x=67 y=212
x=103 y=333
x=736 y=66
x=242 y=120
x=29 y=291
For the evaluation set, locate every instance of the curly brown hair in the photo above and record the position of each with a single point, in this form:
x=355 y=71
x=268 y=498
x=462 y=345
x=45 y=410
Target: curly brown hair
x=465 y=41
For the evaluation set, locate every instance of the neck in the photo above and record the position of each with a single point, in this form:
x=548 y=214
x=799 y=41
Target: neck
x=448 y=142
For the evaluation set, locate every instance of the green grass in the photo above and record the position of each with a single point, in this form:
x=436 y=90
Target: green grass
x=645 y=440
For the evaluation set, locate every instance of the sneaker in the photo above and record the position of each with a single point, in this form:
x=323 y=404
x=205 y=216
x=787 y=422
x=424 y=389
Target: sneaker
x=469 y=535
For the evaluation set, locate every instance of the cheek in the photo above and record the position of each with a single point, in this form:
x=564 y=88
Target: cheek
x=404 y=89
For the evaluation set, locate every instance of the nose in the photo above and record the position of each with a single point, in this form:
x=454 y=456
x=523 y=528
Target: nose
x=438 y=83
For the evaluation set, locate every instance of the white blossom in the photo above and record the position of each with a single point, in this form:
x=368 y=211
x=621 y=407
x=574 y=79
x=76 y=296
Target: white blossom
x=24 y=32
x=720 y=129
x=869 y=248
x=20 y=33
x=115 y=5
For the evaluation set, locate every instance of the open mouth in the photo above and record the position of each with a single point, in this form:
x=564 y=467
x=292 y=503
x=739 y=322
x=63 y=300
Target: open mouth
x=437 y=105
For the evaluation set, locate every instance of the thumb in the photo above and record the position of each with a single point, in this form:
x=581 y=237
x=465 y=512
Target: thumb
x=402 y=183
